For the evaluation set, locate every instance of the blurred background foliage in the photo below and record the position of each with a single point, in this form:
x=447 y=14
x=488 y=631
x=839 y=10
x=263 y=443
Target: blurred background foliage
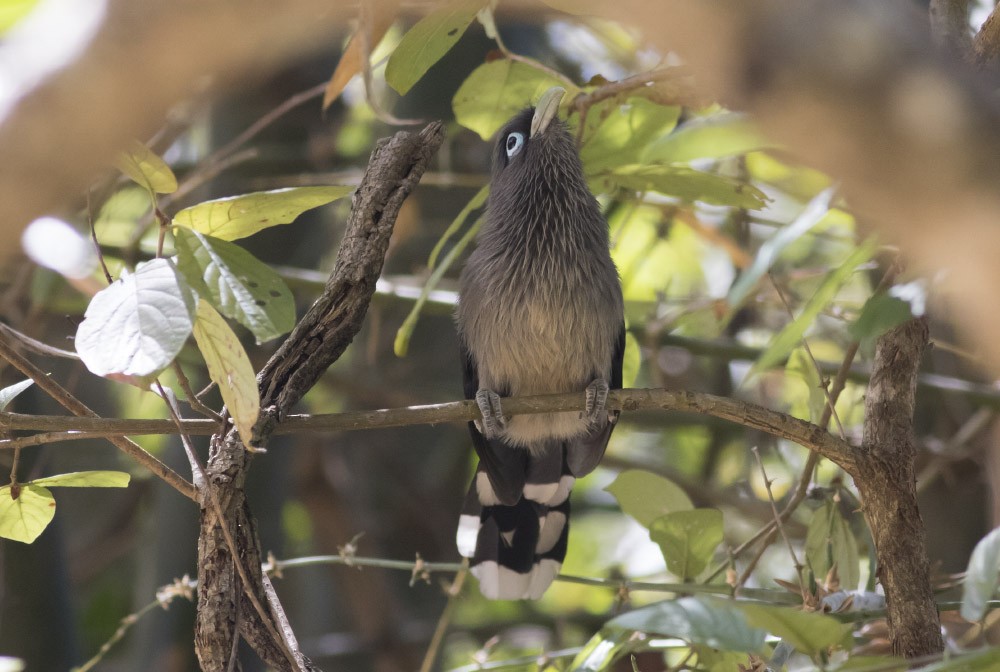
x=734 y=256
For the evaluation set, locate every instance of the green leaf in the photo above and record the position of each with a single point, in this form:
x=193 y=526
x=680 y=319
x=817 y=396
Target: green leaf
x=684 y=183
x=623 y=132
x=712 y=137
x=981 y=576
x=880 y=313
x=26 y=517
x=646 y=496
x=8 y=394
x=800 y=366
x=241 y=216
x=135 y=327
x=236 y=282
x=769 y=252
x=497 y=90
x=829 y=540
x=980 y=661
x=808 y=633
x=86 y=479
x=602 y=650
x=698 y=620
x=632 y=360
x=146 y=169
x=402 y=342
x=688 y=539
x=229 y=366
x=791 y=335
x=427 y=41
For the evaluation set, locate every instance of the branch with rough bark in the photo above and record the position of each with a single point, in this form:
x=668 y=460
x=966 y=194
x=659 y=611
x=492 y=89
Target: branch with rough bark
x=225 y=611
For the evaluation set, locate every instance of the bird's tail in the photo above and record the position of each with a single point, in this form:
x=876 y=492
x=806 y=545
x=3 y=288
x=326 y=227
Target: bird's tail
x=516 y=551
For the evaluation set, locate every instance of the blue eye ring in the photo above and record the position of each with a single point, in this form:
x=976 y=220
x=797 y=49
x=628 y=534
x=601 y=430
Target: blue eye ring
x=514 y=143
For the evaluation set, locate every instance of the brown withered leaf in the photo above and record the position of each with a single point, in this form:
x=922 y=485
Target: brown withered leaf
x=376 y=20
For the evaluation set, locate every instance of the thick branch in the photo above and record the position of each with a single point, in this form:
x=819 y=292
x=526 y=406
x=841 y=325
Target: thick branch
x=743 y=413
x=886 y=482
x=316 y=342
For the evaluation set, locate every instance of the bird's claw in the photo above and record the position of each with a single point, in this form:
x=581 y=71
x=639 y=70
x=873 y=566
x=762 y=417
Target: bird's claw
x=596 y=411
x=493 y=422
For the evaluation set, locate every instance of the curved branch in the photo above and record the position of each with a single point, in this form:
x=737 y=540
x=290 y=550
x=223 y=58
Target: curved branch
x=777 y=424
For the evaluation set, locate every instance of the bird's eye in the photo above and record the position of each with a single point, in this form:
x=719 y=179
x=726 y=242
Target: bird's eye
x=515 y=141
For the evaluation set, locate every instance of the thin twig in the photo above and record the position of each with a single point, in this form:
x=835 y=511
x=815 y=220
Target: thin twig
x=454 y=590
x=36 y=346
x=193 y=401
x=97 y=245
x=778 y=523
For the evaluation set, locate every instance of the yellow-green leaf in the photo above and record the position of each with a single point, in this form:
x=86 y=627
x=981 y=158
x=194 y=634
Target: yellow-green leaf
x=147 y=169
x=684 y=183
x=240 y=216
x=26 y=517
x=632 y=360
x=646 y=496
x=688 y=539
x=86 y=479
x=621 y=133
x=427 y=41
x=229 y=366
x=497 y=90
x=808 y=633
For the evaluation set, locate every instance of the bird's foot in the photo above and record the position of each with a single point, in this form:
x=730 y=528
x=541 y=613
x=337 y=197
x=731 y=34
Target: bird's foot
x=493 y=423
x=596 y=411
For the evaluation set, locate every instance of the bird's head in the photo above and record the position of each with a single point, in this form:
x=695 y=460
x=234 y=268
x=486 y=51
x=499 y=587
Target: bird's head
x=536 y=148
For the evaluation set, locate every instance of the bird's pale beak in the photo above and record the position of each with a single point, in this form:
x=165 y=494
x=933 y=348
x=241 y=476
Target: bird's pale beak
x=546 y=110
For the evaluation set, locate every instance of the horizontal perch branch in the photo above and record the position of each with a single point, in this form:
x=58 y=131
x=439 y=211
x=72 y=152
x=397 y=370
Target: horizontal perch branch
x=743 y=413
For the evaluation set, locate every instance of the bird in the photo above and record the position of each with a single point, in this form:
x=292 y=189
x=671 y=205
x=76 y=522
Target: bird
x=540 y=311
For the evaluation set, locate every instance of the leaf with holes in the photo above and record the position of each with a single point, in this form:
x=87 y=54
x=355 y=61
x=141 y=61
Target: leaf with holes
x=135 y=327
x=646 y=496
x=808 y=633
x=146 y=169
x=697 y=620
x=241 y=216
x=236 y=282
x=8 y=393
x=229 y=366
x=688 y=539
x=25 y=517
x=427 y=41
x=497 y=90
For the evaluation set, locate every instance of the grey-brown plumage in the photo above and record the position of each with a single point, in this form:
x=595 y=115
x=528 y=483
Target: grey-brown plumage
x=540 y=311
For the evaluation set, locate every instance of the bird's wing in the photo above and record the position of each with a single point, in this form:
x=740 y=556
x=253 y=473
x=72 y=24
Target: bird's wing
x=505 y=467
x=583 y=454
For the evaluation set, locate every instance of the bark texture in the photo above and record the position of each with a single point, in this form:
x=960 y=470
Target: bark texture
x=886 y=480
x=224 y=609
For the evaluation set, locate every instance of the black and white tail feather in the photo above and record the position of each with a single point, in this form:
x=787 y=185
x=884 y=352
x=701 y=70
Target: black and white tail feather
x=540 y=311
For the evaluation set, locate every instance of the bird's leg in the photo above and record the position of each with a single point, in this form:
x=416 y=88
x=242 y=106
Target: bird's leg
x=596 y=411
x=493 y=422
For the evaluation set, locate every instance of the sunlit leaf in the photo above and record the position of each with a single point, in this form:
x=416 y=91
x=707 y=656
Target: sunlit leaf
x=770 y=250
x=981 y=576
x=495 y=91
x=688 y=539
x=684 y=183
x=120 y=215
x=86 y=479
x=712 y=622
x=26 y=517
x=242 y=287
x=8 y=393
x=135 y=327
x=241 y=216
x=879 y=314
x=229 y=366
x=829 y=540
x=427 y=41
x=624 y=132
x=809 y=633
x=350 y=63
x=789 y=337
x=11 y=664
x=646 y=496
x=12 y=11
x=712 y=137
x=632 y=361
x=602 y=650
x=601 y=8
x=146 y=169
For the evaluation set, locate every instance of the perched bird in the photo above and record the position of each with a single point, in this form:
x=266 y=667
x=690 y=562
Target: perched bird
x=540 y=311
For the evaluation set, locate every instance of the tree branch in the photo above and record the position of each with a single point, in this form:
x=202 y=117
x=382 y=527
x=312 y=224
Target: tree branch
x=743 y=413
